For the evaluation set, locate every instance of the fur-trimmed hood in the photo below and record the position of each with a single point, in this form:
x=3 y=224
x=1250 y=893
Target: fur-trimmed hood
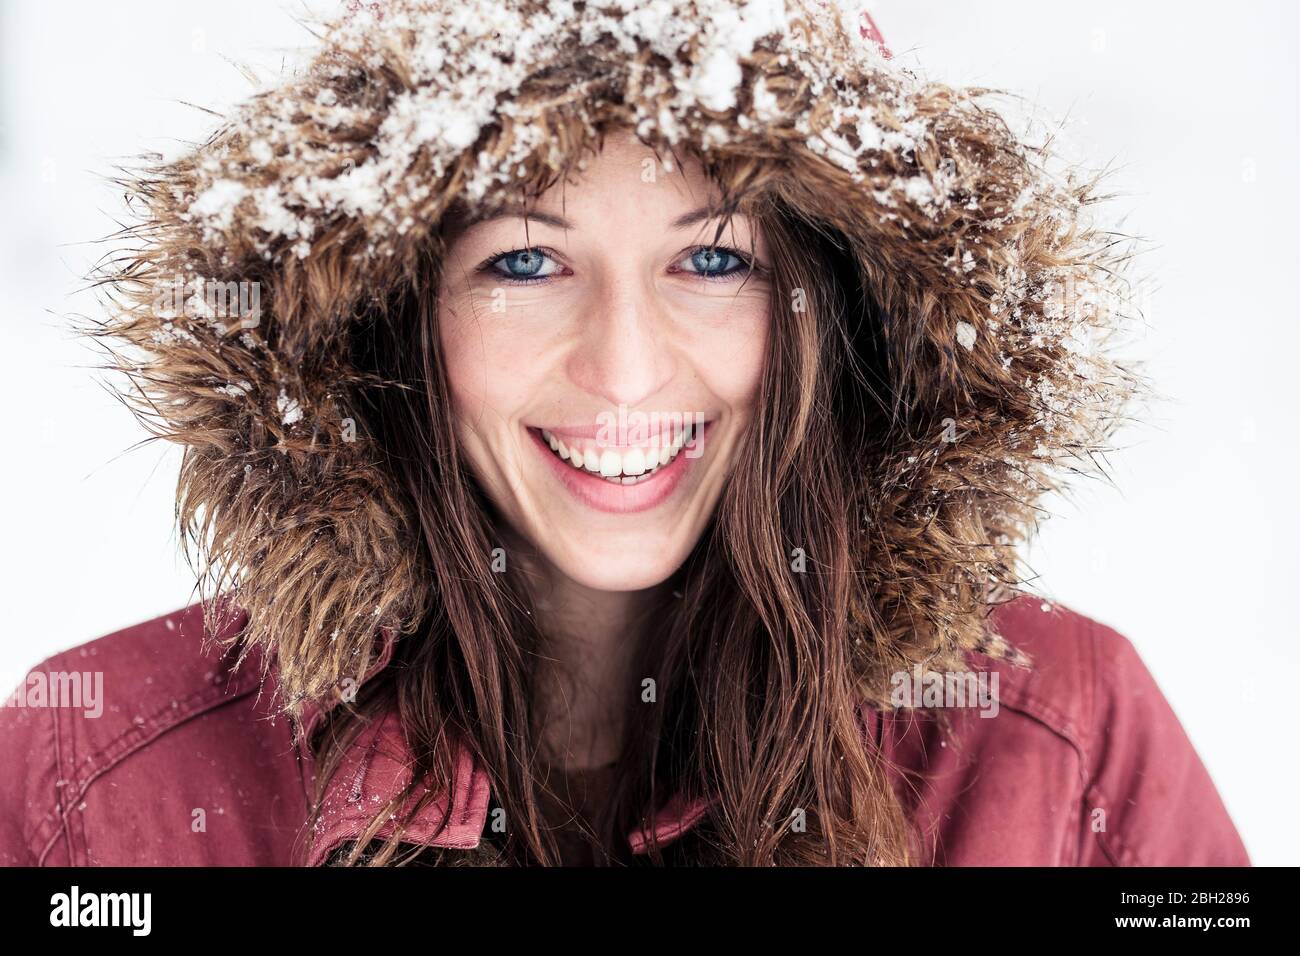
x=319 y=196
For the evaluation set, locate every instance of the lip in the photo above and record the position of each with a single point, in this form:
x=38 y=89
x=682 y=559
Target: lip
x=597 y=493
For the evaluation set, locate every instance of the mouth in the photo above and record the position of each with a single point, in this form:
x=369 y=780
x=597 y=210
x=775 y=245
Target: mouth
x=622 y=478
x=625 y=466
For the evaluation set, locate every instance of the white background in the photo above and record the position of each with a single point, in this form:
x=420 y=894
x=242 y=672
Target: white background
x=1193 y=555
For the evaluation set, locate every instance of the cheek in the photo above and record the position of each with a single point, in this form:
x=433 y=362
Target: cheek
x=488 y=372
x=729 y=355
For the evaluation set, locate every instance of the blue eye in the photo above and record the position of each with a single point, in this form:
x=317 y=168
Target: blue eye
x=715 y=262
x=523 y=265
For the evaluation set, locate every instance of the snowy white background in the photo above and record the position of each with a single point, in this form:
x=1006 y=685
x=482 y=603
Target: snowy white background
x=1194 y=556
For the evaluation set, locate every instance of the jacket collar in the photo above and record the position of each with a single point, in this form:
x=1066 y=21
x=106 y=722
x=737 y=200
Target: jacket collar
x=376 y=767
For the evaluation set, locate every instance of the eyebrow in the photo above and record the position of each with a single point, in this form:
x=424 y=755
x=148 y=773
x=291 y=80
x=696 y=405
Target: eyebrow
x=702 y=214
x=507 y=212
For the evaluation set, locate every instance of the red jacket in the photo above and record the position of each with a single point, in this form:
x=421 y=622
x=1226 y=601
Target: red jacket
x=1083 y=764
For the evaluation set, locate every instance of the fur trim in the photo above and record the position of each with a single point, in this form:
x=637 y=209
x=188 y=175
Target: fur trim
x=997 y=294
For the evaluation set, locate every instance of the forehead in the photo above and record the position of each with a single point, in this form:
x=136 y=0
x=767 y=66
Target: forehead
x=624 y=189
x=623 y=174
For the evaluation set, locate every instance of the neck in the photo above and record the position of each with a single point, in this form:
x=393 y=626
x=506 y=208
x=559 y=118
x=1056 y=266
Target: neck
x=584 y=670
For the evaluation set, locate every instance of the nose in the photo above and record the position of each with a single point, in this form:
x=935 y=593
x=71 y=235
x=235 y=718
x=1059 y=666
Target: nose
x=623 y=354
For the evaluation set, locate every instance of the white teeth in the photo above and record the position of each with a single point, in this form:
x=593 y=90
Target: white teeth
x=634 y=462
x=627 y=468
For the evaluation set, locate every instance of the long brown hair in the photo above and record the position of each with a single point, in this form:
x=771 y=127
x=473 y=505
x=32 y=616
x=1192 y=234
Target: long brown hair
x=754 y=662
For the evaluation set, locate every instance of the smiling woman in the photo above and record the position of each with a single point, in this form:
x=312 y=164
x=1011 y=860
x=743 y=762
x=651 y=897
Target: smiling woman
x=641 y=393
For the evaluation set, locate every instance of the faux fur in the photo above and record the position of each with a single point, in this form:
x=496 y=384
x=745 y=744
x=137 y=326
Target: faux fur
x=997 y=295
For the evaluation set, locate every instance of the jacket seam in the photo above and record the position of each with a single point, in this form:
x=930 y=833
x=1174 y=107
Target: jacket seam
x=1056 y=722
x=60 y=790
x=78 y=851
x=1113 y=847
x=1121 y=849
x=1042 y=715
x=199 y=703
x=1117 y=853
x=33 y=830
x=1041 y=712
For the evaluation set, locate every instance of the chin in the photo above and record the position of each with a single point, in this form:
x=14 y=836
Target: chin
x=623 y=570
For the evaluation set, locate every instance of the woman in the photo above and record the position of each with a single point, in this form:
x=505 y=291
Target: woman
x=608 y=434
